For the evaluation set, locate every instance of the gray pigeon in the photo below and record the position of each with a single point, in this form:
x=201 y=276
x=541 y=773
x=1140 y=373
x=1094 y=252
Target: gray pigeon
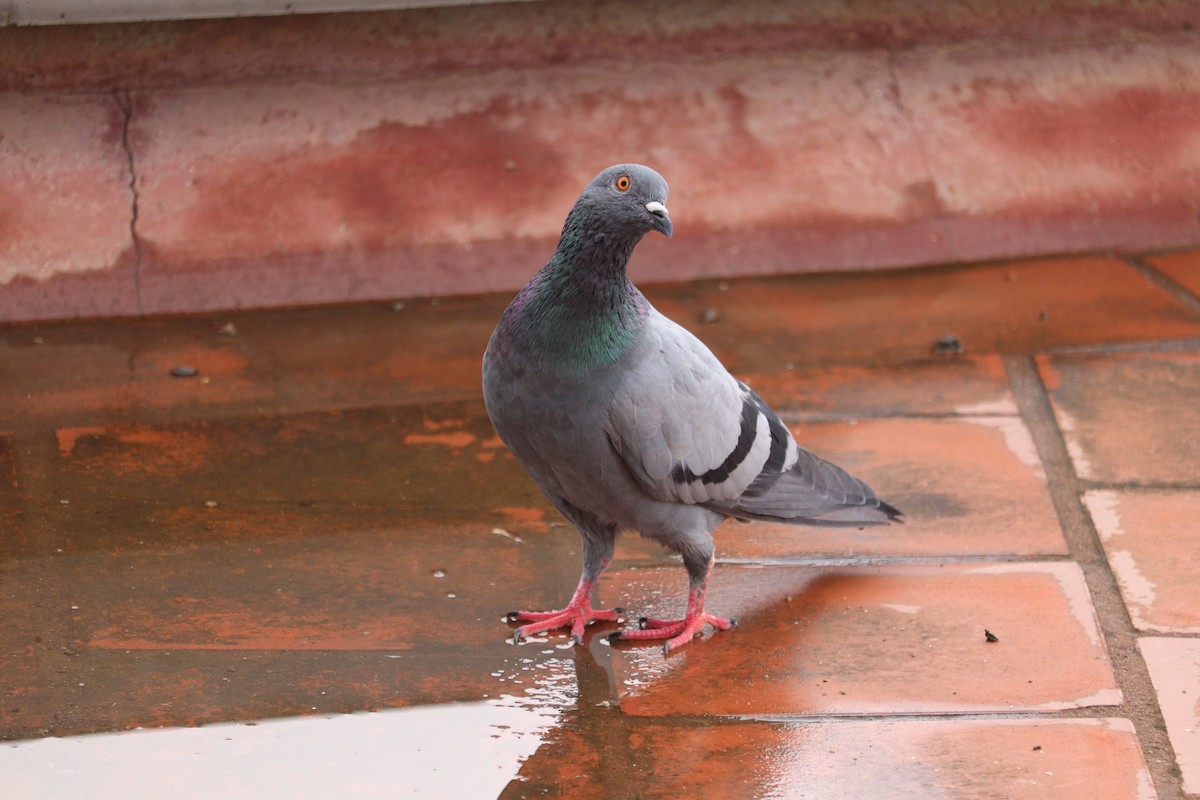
x=628 y=422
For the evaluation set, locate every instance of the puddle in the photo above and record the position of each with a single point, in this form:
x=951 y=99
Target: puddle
x=451 y=750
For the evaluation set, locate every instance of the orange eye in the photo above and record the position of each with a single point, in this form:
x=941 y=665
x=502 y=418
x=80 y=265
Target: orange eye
x=623 y=183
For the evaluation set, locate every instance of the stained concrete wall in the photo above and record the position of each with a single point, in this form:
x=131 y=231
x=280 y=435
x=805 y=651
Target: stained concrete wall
x=182 y=166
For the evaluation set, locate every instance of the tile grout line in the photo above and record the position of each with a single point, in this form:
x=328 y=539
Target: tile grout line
x=1139 y=699
x=1129 y=486
x=1163 y=281
x=1172 y=346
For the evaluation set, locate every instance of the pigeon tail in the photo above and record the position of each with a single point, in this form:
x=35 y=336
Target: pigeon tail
x=842 y=517
x=812 y=492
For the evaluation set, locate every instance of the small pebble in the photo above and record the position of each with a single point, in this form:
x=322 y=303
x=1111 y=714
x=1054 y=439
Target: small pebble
x=184 y=371
x=710 y=315
x=948 y=344
x=228 y=329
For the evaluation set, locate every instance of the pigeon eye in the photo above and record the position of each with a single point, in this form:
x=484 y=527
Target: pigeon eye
x=623 y=183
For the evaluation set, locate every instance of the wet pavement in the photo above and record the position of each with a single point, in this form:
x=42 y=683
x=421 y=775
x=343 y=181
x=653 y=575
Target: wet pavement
x=290 y=570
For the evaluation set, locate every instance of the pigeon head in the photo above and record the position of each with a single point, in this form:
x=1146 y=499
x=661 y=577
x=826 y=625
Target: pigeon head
x=628 y=201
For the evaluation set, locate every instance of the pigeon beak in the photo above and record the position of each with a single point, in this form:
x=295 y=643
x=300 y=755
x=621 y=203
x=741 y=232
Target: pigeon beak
x=662 y=220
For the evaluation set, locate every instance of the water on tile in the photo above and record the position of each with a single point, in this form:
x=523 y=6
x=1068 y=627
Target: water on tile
x=447 y=750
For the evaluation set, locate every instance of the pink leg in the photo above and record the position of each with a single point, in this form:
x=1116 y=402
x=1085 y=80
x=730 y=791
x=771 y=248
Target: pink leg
x=576 y=616
x=678 y=632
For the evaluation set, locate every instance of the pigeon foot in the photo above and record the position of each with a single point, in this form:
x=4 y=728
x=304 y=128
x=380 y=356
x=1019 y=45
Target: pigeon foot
x=677 y=632
x=577 y=615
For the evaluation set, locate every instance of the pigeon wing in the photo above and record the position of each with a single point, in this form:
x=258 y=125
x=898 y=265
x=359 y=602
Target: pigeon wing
x=681 y=423
x=692 y=433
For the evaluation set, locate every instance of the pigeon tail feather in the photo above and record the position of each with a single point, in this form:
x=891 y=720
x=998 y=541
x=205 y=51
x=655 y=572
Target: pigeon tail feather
x=839 y=517
x=812 y=492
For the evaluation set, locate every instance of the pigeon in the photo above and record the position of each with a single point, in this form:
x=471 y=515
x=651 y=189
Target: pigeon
x=627 y=422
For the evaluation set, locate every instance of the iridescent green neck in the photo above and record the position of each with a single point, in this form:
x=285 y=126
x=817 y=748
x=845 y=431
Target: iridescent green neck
x=577 y=321
x=580 y=311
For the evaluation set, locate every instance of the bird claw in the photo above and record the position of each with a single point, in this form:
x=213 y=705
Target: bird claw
x=576 y=617
x=676 y=632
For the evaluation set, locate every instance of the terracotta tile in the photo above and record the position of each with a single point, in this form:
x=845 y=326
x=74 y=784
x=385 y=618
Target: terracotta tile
x=967 y=486
x=584 y=756
x=365 y=355
x=66 y=204
x=432 y=461
x=10 y=502
x=871 y=640
x=1152 y=543
x=15 y=520
x=357 y=560
x=1077 y=759
x=1122 y=414
x=969 y=386
x=33 y=646
x=324 y=614
x=301 y=359
x=116 y=691
x=1174 y=666
x=96 y=372
x=900 y=758
x=1183 y=268
x=964 y=759
x=429 y=349
x=441 y=750
x=896 y=317
x=246 y=481
x=349 y=588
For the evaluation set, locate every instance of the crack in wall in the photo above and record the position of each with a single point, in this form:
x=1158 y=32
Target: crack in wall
x=125 y=103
